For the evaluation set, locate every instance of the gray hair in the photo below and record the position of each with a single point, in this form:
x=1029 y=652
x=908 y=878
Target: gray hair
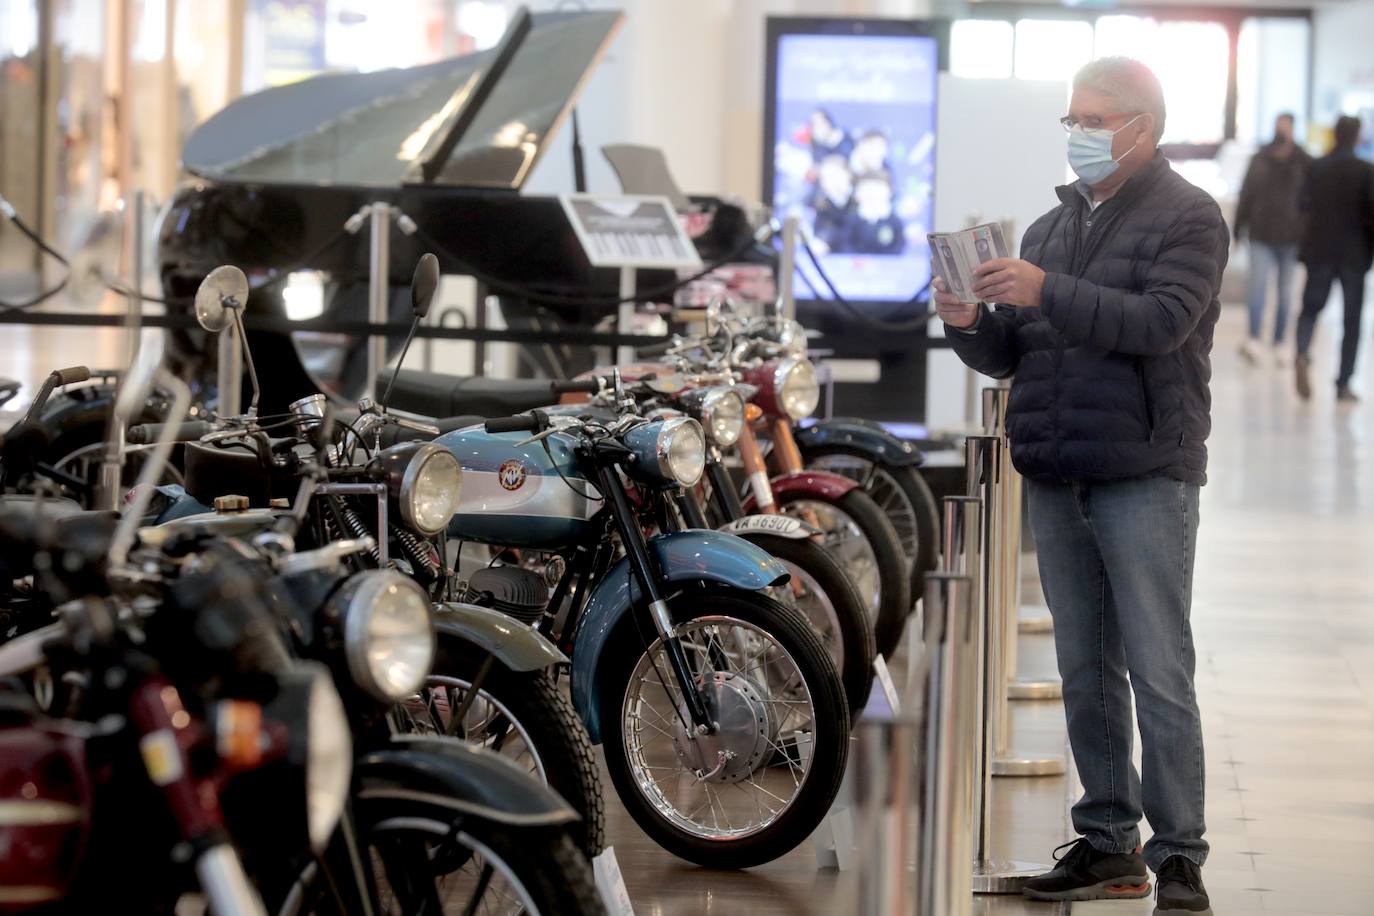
x=1133 y=85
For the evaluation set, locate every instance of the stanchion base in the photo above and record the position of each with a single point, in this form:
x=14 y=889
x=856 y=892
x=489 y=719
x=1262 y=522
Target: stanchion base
x=1028 y=766
x=1035 y=689
x=996 y=876
x=1035 y=624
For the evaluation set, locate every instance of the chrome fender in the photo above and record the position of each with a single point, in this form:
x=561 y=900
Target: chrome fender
x=515 y=645
x=682 y=556
x=783 y=526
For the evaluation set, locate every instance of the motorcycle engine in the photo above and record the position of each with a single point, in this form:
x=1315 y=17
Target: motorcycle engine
x=511 y=590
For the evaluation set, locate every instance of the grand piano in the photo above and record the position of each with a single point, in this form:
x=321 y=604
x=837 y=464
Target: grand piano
x=275 y=176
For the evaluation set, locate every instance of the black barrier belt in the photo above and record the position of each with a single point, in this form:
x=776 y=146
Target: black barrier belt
x=367 y=329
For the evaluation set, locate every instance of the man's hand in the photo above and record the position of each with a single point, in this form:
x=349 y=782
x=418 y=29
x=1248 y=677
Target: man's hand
x=951 y=311
x=1009 y=281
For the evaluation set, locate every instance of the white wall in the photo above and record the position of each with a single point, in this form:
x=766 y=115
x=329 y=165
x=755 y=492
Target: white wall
x=1343 y=60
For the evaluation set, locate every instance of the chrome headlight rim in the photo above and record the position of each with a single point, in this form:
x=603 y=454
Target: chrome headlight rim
x=359 y=610
x=711 y=402
x=406 y=495
x=667 y=439
x=782 y=373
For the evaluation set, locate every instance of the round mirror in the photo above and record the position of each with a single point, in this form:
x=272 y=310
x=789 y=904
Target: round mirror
x=223 y=288
x=423 y=285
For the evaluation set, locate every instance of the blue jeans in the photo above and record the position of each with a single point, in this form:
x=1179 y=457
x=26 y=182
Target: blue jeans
x=1116 y=563
x=1265 y=259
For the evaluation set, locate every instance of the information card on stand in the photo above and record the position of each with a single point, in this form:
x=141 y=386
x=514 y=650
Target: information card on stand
x=630 y=231
x=956 y=254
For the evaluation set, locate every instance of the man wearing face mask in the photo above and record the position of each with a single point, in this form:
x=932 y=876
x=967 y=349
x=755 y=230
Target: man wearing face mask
x=1106 y=326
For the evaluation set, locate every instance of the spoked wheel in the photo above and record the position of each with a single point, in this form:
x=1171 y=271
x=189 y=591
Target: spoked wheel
x=427 y=866
x=764 y=778
x=521 y=715
x=901 y=493
x=822 y=591
x=856 y=533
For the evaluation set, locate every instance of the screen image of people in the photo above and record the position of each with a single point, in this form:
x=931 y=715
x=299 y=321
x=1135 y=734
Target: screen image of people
x=853 y=158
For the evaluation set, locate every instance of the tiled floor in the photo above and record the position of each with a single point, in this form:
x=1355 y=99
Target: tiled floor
x=1284 y=620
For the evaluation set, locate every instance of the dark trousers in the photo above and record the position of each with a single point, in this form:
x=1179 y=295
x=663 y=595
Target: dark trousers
x=1314 y=295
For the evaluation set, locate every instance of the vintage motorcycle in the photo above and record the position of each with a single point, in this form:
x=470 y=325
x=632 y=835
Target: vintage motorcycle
x=723 y=719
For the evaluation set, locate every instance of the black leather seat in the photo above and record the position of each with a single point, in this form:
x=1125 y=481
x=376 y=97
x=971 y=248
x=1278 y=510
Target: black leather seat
x=434 y=394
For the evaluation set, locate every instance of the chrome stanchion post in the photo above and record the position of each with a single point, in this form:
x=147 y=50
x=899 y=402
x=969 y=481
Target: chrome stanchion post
x=943 y=872
x=1004 y=566
x=229 y=372
x=888 y=766
x=378 y=289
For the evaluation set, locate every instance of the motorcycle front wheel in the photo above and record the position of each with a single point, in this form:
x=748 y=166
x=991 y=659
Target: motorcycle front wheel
x=826 y=596
x=417 y=864
x=764 y=779
x=857 y=534
x=523 y=716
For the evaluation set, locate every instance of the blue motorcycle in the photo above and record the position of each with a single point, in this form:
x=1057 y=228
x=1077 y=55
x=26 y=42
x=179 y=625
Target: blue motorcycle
x=723 y=718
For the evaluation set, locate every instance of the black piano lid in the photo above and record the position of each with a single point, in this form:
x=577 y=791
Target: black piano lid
x=374 y=129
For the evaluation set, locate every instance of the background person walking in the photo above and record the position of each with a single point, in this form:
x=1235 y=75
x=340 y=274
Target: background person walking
x=1337 y=243
x=1268 y=215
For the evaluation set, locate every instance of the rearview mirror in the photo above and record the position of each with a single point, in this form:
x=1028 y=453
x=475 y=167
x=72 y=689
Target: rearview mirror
x=423 y=285
x=223 y=290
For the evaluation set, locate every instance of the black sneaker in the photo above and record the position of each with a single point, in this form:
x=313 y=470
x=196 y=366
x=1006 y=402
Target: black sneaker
x=1178 y=888
x=1086 y=874
x=1302 y=376
x=1346 y=396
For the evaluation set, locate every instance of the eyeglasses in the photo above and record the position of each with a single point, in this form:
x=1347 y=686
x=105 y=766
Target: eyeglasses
x=1093 y=122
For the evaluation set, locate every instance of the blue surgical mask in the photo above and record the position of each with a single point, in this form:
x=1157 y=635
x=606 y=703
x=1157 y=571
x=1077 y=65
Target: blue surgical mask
x=1090 y=152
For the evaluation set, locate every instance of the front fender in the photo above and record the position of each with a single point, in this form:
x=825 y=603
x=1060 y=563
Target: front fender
x=515 y=645
x=879 y=445
x=825 y=485
x=682 y=556
x=446 y=778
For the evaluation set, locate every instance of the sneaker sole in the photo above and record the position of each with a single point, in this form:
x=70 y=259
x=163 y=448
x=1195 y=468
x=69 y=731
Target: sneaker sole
x=1173 y=912
x=1112 y=889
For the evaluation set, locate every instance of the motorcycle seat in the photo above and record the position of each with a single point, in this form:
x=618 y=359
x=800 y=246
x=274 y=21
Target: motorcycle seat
x=434 y=394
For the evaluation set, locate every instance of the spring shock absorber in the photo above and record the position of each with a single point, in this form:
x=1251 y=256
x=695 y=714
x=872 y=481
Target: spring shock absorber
x=357 y=528
x=420 y=553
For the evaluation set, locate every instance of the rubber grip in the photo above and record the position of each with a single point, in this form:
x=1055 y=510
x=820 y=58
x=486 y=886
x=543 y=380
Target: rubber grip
x=72 y=375
x=521 y=423
x=148 y=433
x=657 y=349
x=574 y=386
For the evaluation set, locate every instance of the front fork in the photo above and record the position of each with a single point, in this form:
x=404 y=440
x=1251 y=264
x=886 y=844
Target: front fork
x=646 y=576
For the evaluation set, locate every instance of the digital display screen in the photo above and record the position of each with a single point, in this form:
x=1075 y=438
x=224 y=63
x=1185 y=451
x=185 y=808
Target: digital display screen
x=854 y=157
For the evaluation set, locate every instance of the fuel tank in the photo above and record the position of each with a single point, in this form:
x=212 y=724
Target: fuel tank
x=520 y=495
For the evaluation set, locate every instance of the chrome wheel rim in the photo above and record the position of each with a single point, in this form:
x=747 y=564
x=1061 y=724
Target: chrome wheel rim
x=430 y=713
x=815 y=605
x=749 y=793
x=884 y=490
x=842 y=537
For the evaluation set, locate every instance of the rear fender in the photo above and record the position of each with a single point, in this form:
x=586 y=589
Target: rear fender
x=693 y=556
x=879 y=445
x=446 y=779
x=514 y=644
x=825 y=485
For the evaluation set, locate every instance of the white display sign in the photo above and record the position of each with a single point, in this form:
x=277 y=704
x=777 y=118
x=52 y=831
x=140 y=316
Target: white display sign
x=630 y=231
x=610 y=883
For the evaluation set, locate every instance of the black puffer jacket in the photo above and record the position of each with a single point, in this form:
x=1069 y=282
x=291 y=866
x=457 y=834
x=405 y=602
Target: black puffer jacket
x=1111 y=370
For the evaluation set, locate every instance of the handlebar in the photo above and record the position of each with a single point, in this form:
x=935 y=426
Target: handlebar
x=72 y=375
x=148 y=433
x=576 y=386
x=531 y=422
x=659 y=349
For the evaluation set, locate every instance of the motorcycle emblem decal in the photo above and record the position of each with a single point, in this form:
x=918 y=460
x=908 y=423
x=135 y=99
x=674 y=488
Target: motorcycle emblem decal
x=511 y=474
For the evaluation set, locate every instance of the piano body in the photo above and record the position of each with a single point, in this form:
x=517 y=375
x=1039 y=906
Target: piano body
x=275 y=176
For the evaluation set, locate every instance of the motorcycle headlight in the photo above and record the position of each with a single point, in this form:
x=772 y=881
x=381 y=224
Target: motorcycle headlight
x=388 y=634
x=722 y=415
x=425 y=482
x=329 y=761
x=681 y=450
x=795 y=387
x=430 y=489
